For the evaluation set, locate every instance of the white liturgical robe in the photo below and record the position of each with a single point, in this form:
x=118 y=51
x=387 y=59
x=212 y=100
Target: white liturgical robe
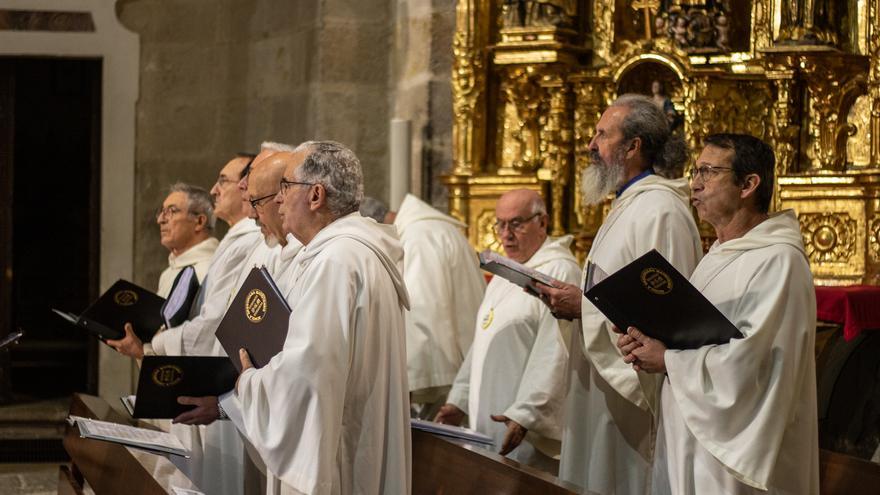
x=330 y=412
x=609 y=432
x=740 y=418
x=516 y=364
x=445 y=287
x=199 y=256
x=216 y=465
x=196 y=336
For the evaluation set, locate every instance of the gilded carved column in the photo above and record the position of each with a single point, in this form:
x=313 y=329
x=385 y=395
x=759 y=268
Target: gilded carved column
x=468 y=98
x=556 y=148
x=762 y=25
x=874 y=79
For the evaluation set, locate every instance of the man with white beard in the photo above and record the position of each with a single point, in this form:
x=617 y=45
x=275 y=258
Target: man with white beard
x=445 y=285
x=329 y=413
x=608 y=437
x=216 y=463
x=511 y=383
x=186 y=222
x=740 y=417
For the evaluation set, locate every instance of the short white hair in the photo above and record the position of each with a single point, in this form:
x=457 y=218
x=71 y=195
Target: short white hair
x=277 y=147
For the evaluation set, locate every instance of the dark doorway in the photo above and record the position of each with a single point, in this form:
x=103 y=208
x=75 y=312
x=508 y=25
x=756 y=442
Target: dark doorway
x=49 y=222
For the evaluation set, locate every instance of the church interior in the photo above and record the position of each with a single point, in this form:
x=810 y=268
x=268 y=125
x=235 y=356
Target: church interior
x=112 y=102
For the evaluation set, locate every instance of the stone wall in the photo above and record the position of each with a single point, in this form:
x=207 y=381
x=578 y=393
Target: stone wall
x=222 y=76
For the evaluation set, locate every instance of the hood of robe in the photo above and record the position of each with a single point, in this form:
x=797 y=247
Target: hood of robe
x=553 y=248
x=781 y=228
x=678 y=187
x=381 y=239
x=412 y=209
x=200 y=252
x=290 y=249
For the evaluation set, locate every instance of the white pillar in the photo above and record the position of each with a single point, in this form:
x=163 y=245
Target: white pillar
x=400 y=145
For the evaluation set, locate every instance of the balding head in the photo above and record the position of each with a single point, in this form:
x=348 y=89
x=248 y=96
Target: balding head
x=262 y=186
x=521 y=223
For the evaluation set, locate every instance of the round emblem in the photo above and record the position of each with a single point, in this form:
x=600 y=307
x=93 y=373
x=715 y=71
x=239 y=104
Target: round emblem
x=487 y=320
x=656 y=281
x=255 y=306
x=125 y=297
x=167 y=376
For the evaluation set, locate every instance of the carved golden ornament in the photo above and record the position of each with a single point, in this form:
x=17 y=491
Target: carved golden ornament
x=524 y=101
x=762 y=24
x=487 y=239
x=168 y=375
x=125 y=297
x=828 y=237
x=874 y=239
x=603 y=29
x=256 y=306
x=858 y=143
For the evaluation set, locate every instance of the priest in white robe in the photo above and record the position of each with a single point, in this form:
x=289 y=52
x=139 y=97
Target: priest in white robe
x=445 y=285
x=511 y=384
x=186 y=222
x=610 y=409
x=216 y=465
x=740 y=417
x=329 y=413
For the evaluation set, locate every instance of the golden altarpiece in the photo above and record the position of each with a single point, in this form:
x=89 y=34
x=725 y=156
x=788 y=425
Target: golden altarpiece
x=531 y=78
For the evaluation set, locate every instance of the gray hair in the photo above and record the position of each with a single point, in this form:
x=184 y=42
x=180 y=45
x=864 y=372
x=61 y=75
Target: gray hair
x=373 y=208
x=277 y=147
x=338 y=169
x=665 y=151
x=537 y=205
x=198 y=201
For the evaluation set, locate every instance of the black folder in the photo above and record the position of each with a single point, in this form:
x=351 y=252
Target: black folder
x=124 y=302
x=176 y=309
x=651 y=295
x=256 y=320
x=164 y=378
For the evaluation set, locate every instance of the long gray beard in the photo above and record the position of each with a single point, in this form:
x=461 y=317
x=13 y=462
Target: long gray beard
x=600 y=179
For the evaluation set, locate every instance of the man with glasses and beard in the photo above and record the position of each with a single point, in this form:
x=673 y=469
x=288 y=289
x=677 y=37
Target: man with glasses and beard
x=511 y=382
x=610 y=423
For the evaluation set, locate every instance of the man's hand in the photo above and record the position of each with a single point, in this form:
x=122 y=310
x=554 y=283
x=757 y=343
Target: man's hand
x=130 y=345
x=449 y=414
x=514 y=436
x=206 y=412
x=648 y=356
x=625 y=343
x=246 y=364
x=564 y=300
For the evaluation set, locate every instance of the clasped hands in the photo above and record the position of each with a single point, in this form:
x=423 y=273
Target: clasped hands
x=642 y=352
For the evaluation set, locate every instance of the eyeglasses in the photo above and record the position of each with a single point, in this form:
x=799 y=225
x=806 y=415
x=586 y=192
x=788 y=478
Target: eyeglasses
x=222 y=181
x=167 y=212
x=706 y=172
x=261 y=201
x=286 y=184
x=517 y=225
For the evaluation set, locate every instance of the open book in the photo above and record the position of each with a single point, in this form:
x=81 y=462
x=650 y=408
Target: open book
x=123 y=302
x=517 y=273
x=132 y=436
x=451 y=431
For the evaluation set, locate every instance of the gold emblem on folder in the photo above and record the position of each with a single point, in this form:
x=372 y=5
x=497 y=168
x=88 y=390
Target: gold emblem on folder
x=125 y=297
x=255 y=306
x=487 y=320
x=657 y=281
x=167 y=376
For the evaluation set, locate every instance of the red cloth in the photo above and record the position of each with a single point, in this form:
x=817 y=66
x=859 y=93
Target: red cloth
x=856 y=307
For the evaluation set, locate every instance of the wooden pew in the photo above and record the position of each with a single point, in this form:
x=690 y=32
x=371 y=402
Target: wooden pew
x=109 y=468
x=446 y=466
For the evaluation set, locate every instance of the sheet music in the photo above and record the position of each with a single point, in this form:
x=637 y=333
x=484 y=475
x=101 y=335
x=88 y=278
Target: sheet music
x=67 y=316
x=130 y=435
x=595 y=274
x=451 y=431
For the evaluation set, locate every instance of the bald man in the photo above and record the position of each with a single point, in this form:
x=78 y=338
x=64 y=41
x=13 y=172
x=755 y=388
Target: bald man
x=511 y=382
